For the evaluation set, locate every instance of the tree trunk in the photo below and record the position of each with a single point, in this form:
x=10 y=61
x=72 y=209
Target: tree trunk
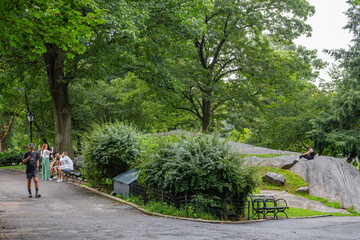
x=206 y=107
x=54 y=61
x=2 y=145
x=6 y=133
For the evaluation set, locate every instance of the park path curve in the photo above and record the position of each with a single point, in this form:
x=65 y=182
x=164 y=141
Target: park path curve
x=69 y=212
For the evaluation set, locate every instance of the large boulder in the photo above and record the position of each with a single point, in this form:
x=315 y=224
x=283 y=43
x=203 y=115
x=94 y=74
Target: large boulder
x=331 y=178
x=274 y=178
x=283 y=162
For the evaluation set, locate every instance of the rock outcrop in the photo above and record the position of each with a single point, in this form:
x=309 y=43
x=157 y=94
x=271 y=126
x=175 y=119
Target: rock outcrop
x=331 y=178
x=327 y=177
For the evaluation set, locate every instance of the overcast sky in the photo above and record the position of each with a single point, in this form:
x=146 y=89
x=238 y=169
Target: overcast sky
x=327 y=24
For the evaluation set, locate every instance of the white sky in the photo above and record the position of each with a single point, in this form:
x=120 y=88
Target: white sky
x=328 y=33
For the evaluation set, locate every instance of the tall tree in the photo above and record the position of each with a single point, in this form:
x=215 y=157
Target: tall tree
x=63 y=30
x=54 y=30
x=239 y=49
x=336 y=130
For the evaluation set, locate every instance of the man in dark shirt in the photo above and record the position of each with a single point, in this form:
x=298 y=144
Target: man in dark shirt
x=310 y=154
x=31 y=159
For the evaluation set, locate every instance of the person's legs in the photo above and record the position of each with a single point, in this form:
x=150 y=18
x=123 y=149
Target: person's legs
x=36 y=181
x=61 y=174
x=52 y=168
x=46 y=168
x=29 y=186
x=308 y=157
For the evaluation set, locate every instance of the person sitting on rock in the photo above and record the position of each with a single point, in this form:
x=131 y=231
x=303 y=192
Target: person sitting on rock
x=310 y=154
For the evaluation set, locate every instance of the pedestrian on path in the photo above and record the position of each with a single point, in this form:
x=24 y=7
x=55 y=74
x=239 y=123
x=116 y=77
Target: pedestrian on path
x=45 y=154
x=31 y=159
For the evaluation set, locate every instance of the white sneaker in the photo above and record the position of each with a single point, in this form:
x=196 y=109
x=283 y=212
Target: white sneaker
x=59 y=180
x=55 y=177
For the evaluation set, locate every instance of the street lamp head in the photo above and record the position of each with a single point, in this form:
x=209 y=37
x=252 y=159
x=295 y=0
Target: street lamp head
x=30 y=116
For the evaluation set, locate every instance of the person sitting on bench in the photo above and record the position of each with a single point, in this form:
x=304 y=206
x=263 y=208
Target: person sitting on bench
x=66 y=165
x=310 y=154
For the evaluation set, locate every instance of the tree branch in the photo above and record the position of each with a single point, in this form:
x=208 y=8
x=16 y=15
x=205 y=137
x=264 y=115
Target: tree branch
x=218 y=49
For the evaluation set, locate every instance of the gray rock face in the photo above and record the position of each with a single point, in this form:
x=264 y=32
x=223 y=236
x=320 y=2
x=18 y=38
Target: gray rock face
x=327 y=177
x=284 y=162
x=303 y=190
x=250 y=149
x=274 y=178
x=331 y=178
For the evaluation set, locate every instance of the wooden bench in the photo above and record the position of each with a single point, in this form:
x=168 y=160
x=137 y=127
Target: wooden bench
x=263 y=204
x=77 y=173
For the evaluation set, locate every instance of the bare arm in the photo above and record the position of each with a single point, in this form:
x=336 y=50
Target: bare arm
x=307 y=153
x=26 y=159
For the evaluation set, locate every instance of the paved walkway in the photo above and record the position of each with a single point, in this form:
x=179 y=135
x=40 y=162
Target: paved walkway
x=69 y=212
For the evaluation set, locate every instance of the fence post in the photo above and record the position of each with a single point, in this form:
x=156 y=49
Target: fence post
x=162 y=196
x=248 y=210
x=186 y=208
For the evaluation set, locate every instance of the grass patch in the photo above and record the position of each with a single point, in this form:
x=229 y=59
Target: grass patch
x=320 y=199
x=167 y=209
x=15 y=167
x=299 y=212
x=293 y=181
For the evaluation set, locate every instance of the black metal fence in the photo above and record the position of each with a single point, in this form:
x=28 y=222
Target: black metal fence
x=231 y=209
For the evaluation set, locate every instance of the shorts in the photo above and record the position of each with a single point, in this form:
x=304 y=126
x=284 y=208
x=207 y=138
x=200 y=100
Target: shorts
x=33 y=174
x=66 y=169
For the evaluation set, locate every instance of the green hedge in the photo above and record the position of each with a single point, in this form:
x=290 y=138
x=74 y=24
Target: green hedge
x=197 y=165
x=10 y=158
x=110 y=148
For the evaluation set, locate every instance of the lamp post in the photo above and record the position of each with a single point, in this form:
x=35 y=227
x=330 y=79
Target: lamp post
x=30 y=117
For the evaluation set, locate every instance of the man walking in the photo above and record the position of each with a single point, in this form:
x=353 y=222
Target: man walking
x=31 y=159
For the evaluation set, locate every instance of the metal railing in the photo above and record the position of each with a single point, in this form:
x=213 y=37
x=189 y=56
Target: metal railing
x=231 y=209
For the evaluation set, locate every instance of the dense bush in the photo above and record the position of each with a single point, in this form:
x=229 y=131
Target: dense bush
x=109 y=150
x=200 y=165
x=10 y=158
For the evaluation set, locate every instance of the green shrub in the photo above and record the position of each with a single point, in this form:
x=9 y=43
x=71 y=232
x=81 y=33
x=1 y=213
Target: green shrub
x=10 y=158
x=200 y=165
x=109 y=150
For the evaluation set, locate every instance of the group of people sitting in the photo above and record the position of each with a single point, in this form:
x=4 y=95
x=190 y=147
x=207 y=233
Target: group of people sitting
x=54 y=164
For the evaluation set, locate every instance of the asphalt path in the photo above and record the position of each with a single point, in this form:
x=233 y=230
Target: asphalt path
x=67 y=211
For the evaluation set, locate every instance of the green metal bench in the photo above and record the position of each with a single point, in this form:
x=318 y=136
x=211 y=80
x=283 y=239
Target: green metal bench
x=264 y=204
x=77 y=173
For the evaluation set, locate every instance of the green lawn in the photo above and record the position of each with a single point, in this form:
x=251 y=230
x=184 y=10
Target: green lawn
x=15 y=167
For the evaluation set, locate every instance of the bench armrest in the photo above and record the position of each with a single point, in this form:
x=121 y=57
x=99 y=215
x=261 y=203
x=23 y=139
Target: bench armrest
x=281 y=202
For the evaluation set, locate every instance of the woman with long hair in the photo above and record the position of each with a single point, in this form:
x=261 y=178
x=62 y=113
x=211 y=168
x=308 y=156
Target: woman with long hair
x=45 y=154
